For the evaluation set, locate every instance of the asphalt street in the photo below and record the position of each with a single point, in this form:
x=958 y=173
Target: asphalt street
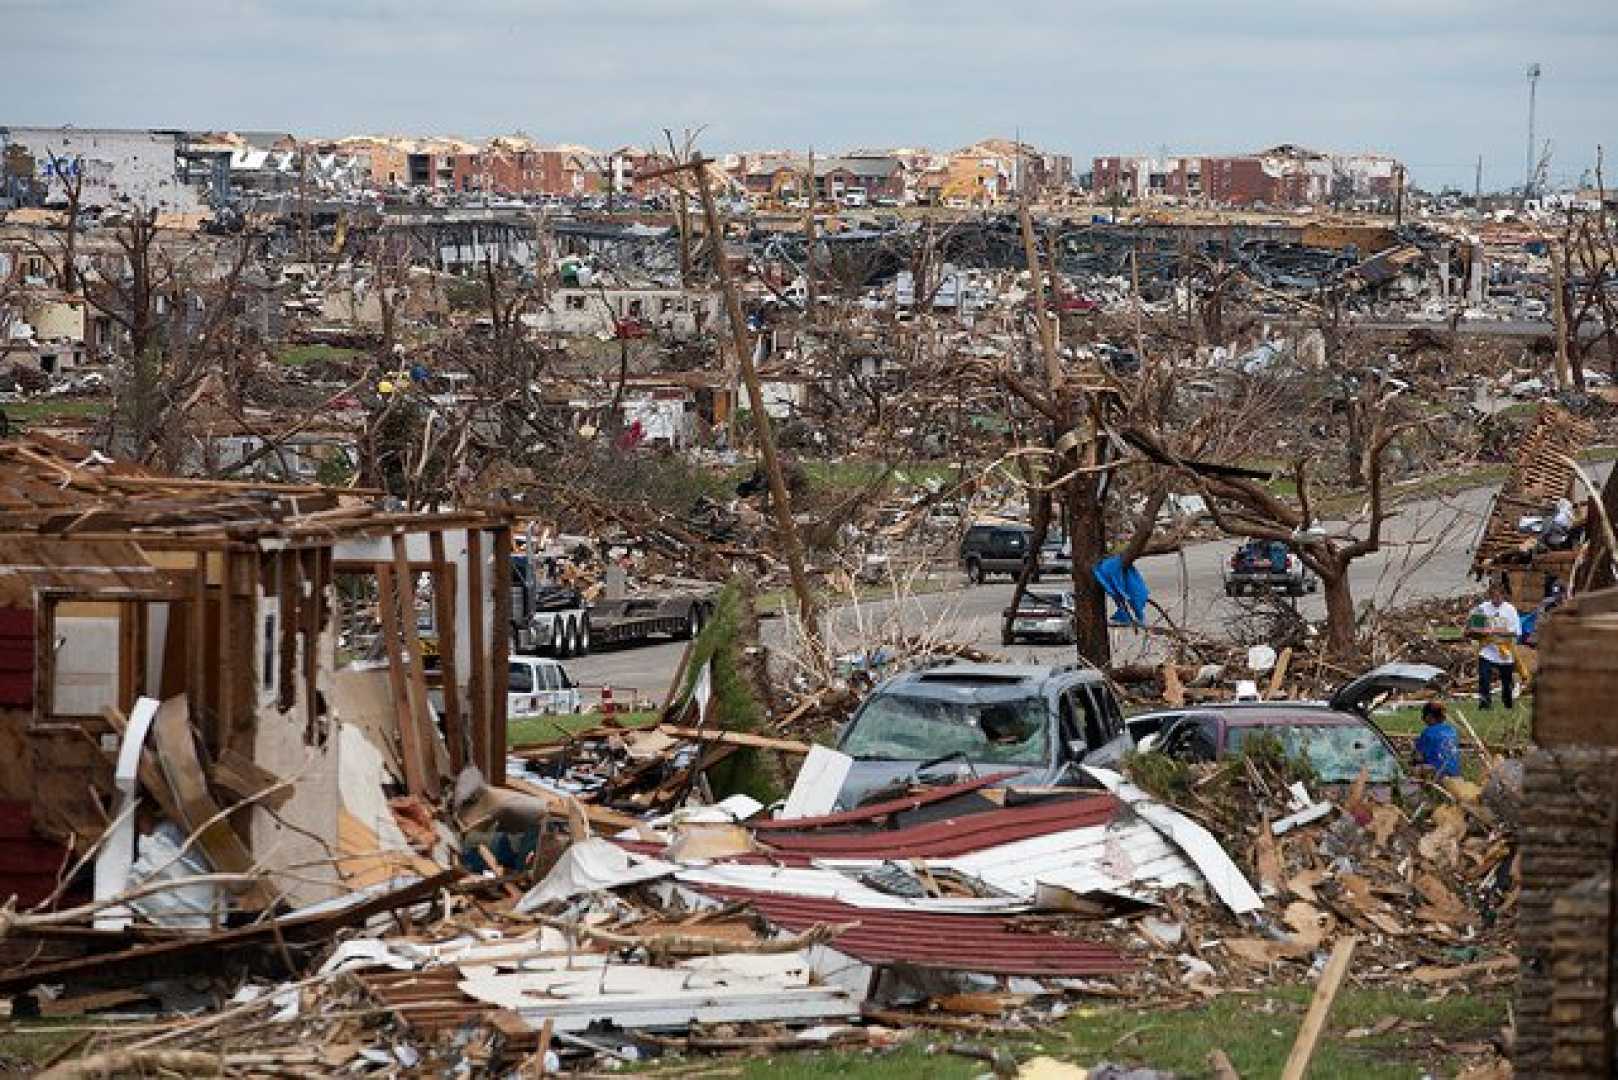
x=1427 y=552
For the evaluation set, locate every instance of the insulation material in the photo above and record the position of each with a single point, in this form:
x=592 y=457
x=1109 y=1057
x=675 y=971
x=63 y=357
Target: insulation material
x=373 y=846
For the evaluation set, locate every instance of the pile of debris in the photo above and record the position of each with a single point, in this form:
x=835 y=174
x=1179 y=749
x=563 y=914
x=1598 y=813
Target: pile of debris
x=1423 y=875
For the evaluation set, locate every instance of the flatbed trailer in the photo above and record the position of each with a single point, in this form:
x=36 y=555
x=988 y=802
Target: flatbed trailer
x=636 y=619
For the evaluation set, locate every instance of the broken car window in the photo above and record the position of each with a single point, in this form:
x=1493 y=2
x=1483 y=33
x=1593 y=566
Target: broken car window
x=1336 y=752
x=902 y=728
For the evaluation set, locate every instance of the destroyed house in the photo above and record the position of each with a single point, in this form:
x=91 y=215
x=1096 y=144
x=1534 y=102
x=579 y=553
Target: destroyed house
x=308 y=656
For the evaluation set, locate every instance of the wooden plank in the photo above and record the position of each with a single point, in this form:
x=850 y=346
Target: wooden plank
x=420 y=707
x=444 y=616
x=196 y=641
x=736 y=738
x=228 y=652
x=1314 y=1021
x=310 y=622
x=287 y=570
x=480 y=674
x=182 y=770
x=500 y=656
x=1279 y=675
x=410 y=755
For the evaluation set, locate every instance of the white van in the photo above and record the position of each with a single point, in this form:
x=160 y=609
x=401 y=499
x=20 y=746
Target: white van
x=537 y=685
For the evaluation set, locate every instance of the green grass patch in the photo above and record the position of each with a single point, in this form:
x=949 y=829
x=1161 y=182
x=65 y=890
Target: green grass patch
x=1498 y=726
x=26 y=1044
x=299 y=355
x=1255 y=1030
x=860 y=472
x=527 y=730
x=28 y=412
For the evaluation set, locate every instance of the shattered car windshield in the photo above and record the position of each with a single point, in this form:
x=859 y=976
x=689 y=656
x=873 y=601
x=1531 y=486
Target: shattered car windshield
x=1336 y=752
x=902 y=728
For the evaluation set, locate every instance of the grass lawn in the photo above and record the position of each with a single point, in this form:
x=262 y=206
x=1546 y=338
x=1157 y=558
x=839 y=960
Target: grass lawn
x=298 y=355
x=1255 y=1030
x=858 y=473
x=542 y=729
x=53 y=409
x=1497 y=727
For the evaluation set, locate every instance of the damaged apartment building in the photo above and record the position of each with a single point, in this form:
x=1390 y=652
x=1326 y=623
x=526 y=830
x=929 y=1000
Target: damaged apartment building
x=269 y=663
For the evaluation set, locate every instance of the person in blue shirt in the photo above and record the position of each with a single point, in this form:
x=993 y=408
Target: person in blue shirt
x=1439 y=745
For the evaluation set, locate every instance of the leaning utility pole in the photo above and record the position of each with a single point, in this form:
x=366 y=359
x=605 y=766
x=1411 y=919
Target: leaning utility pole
x=780 y=502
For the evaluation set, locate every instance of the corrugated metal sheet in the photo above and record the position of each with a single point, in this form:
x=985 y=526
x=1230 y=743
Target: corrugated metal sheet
x=978 y=943
x=951 y=836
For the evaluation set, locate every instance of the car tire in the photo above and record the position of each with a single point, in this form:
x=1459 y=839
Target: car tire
x=974 y=572
x=569 y=635
x=1230 y=590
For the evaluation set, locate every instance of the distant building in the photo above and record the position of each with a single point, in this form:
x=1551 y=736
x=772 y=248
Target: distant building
x=117 y=167
x=1282 y=176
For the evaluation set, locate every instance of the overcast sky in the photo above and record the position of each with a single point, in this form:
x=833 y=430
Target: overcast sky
x=1437 y=82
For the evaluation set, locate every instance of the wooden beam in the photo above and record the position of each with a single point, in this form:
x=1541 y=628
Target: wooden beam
x=310 y=622
x=444 y=616
x=225 y=731
x=196 y=643
x=1314 y=1021
x=735 y=738
x=500 y=656
x=420 y=708
x=480 y=673
x=409 y=750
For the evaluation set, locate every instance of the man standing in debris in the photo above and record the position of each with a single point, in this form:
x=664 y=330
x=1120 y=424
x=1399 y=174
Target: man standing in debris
x=1439 y=745
x=1495 y=623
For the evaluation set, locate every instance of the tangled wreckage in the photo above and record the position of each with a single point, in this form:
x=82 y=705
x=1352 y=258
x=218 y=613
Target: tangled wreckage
x=267 y=790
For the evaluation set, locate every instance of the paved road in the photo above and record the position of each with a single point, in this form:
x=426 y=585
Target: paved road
x=1427 y=553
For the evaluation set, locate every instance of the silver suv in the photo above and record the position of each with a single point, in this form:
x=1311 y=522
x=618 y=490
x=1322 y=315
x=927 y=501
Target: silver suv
x=946 y=724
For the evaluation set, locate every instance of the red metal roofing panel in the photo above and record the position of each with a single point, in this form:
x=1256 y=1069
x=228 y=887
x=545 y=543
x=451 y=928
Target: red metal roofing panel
x=883 y=809
x=951 y=836
x=980 y=943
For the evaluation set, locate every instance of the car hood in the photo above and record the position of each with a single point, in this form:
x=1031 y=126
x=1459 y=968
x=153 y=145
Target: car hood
x=1358 y=692
x=868 y=776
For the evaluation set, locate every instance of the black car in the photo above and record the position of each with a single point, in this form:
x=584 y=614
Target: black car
x=995 y=549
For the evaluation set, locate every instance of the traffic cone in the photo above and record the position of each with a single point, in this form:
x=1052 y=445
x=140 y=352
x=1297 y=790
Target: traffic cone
x=608 y=709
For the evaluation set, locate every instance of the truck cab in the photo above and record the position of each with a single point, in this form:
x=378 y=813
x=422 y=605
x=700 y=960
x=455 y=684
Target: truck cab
x=537 y=685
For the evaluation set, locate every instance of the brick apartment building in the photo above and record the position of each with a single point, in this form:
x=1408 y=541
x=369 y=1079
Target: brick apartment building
x=1282 y=176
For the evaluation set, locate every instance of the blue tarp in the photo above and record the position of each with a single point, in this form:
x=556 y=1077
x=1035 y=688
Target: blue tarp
x=1126 y=588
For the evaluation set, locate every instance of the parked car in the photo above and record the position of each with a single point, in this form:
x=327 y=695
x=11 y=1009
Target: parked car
x=1055 y=559
x=1043 y=616
x=537 y=685
x=994 y=549
x=1266 y=565
x=1336 y=736
x=949 y=723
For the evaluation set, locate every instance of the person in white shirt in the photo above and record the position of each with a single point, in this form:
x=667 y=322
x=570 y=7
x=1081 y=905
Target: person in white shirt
x=1495 y=623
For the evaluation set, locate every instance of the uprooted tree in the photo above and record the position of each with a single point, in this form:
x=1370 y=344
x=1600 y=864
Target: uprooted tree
x=1244 y=506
